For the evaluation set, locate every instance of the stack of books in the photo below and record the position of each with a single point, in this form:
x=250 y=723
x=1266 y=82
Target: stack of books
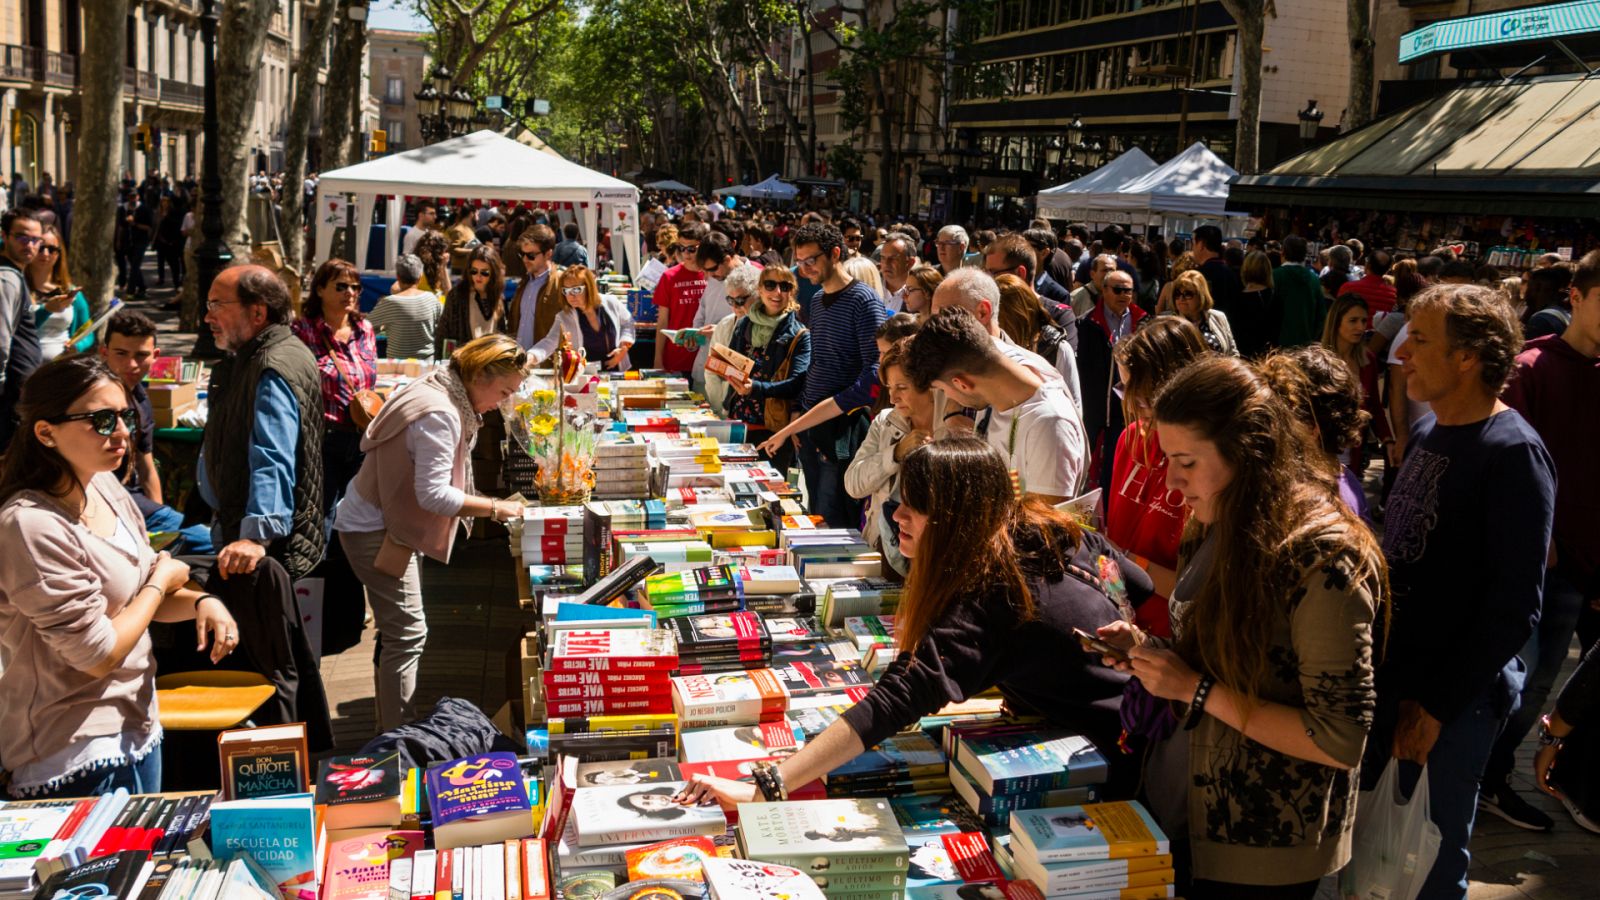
x=849 y=848
x=621 y=466
x=1001 y=768
x=552 y=536
x=512 y=868
x=615 y=671
x=721 y=642
x=858 y=598
x=900 y=765
x=730 y=699
x=690 y=461
x=694 y=591
x=598 y=738
x=831 y=553
x=673 y=556
x=1096 y=849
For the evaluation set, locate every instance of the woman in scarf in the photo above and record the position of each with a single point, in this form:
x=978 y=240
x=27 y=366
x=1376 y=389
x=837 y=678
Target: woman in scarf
x=771 y=334
x=476 y=306
x=412 y=493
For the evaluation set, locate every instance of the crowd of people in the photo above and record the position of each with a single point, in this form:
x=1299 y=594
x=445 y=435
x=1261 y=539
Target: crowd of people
x=1268 y=641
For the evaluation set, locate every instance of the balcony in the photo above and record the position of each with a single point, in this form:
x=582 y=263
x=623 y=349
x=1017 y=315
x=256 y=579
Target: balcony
x=142 y=84
x=36 y=64
x=181 y=93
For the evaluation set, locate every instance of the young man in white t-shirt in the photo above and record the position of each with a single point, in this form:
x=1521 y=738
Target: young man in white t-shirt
x=1030 y=420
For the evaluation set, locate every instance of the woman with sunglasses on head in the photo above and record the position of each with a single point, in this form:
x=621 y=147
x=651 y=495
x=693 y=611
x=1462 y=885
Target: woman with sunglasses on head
x=476 y=306
x=59 y=308
x=771 y=334
x=1191 y=298
x=331 y=325
x=79 y=588
x=597 y=324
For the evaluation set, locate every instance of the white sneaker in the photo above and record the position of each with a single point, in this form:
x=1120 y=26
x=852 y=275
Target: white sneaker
x=1577 y=815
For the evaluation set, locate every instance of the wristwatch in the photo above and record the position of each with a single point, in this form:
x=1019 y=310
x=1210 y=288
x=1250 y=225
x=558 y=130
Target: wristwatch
x=1546 y=739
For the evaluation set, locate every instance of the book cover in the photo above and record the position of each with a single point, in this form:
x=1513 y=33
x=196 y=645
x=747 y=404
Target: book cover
x=279 y=833
x=914 y=754
x=653 y=704
x=951 y=857
x=478 y=798
x=647 y=690
x=1030 y=761
x=731 y=698
x=729 y=364
x=26 y=829
x=692 y=585
x=535 y=870
x=360 y=791
x=867 y=631
x=606 y=649
x=997 y=809
x=996 y=890
x=824 y=836
x=716 y=634
x=677 y=858
x=794 y=629
x=802 y=679
x=741 y=742
x=358 y=867
x=743 y=879
x=264 y=762
x=631 y=813
x=1119 y=830
x=114 y=876
x=627 y=772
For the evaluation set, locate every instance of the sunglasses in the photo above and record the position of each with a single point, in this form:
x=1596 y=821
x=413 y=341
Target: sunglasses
x=949 y=244
x=1121 y=290
x=782 y=287
x=480 y=273
x=575 y=291
x=852 y=239
x=1185 y=294
x=688 y=248
x=49 y=248
x=740 y=300
x=103 y=420
x=534 y=255
x=348 y=287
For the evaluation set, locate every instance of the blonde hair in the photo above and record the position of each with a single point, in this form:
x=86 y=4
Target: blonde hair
x=490 y=356
x=585 y=276
x=1257 y=269
x=666 y=237
x=861 y=269
x=779 y=273
x=1194 y=281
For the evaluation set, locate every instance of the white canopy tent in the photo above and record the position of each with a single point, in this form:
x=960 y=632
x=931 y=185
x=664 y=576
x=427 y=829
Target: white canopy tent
x=1064 y=201
x=1192 y=184
x=771 y=189
x=484 y=165
x=670 y=185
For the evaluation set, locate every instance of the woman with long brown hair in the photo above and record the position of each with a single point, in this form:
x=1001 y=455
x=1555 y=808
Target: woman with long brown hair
x=476 y=306
x=996 y=588
x=1345 y=333
x=1270 y=669
x=1025 y=321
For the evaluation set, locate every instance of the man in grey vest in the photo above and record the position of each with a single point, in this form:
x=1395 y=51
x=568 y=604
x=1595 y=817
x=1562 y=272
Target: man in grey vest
x=19 y=340
x=261 y=464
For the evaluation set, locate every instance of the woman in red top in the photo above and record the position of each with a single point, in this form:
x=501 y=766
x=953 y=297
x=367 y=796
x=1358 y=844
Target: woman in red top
x=1345 y=333
x=1142 y=516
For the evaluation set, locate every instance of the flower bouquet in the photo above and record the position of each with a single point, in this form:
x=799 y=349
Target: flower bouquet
x=549 y=419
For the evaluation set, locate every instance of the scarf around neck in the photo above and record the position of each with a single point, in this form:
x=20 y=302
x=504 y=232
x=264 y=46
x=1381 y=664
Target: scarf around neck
x=761 y=324
x=446 y=379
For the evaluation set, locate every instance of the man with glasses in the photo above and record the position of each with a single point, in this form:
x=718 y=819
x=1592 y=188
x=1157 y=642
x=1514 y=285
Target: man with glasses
x=677 y=298
x=534 y=308
x=853 y=235
x=1013 y=255
x=19 y=336
x=951 y=245
x=261 y=464
x=718 y=255
x=1113 y=319
x=898 y=255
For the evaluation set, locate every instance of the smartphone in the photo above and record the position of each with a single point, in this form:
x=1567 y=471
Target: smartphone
x=1092 y=644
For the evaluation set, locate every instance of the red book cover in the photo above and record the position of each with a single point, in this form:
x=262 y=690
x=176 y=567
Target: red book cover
x=606 y=679
x=650 y=705
x=603 y=649
x=608 y=692
x=969 y=851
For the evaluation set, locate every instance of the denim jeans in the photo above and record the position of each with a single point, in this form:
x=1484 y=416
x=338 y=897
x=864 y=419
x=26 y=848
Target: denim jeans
x=825 y=486
x=143 y=777
x=194 y=540
x=1543 y=656
x=1455 y=767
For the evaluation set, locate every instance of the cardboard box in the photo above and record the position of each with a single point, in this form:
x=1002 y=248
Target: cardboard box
x=170 y=395
x=167 y=416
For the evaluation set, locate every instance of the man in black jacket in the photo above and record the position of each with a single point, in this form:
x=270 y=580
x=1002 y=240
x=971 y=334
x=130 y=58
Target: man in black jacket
x=1114 y=318
x=1013 y=255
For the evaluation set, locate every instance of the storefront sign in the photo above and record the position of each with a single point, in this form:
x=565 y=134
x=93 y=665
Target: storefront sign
x=1499 y=28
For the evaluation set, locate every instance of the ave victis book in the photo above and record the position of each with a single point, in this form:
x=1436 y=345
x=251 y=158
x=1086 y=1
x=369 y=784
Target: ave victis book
x=626 y=814
x=613 y=649
x=824 y=836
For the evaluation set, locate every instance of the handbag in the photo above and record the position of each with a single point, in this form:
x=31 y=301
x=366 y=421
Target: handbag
x=364 y=407
x=776 y=411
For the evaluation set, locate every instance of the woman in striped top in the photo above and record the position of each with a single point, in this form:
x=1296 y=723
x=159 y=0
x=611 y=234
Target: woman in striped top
x=408 y=315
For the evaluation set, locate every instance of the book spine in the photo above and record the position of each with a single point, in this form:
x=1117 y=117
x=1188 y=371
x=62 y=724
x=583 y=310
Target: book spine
x=860 y=881
x=653 y=834
x=424 y=868
x=535 y=870
x=840 y=862
x=511 y=862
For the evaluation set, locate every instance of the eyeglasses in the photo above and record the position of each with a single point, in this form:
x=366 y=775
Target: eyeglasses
x=576 y=290
x=1185 y=294
x=739 y=300
x=1122 y=290
x=480 y=273
x=214 y=305
x=103 y=420
x=782 y=287
x=950 y=244
x=808 y=261
x=27 y=240
x=49 y=248
x=688 y=248
x=348 y=287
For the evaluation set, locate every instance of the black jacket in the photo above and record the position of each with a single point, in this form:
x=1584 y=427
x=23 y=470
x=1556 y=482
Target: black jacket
x=764 y=382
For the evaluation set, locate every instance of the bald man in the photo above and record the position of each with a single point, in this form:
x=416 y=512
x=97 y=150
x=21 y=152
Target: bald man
x=261 y=463
x=975 y=291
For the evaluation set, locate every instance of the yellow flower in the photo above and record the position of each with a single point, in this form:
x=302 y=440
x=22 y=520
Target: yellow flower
x=542 y=424
x=544 y=396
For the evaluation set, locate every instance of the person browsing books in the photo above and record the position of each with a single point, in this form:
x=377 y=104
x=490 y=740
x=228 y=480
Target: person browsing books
x=598 y=325
x=996 y=588
x=413 y=492
x=1270 y=670
x=78 y=592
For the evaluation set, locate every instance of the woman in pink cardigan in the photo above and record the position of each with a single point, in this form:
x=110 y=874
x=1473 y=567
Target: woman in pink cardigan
x=412 y=494
x=79 y=587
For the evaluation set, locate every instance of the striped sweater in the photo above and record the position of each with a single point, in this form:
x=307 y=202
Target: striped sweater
x=844 y=354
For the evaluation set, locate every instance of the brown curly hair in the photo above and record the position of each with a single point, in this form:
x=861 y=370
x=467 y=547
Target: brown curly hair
x=1478 y=321
x=1322 y=393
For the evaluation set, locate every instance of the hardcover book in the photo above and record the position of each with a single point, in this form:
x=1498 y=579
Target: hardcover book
x=632 y=813
x=478 y=799
x=360 y=791
x=824 y=836
x=279 y=833
x=264 y=762
x=1119 y=830
x=743 y=879
x=627 y=772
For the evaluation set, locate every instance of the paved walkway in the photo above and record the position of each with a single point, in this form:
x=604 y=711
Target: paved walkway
x=474 y=627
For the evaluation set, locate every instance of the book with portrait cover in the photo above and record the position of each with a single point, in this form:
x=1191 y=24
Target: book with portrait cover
x=264 y=762
x=729 y=698
x=823 y=836
x=803 y=679
x=1122 y=829
x=613 y=649
x=478 y=799
x=794 y=629
x=743 y=879
x=627 y=771
x=622 y=814
x=703 y=635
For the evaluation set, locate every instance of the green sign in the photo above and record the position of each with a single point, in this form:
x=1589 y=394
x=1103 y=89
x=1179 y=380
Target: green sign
x=1509 y=27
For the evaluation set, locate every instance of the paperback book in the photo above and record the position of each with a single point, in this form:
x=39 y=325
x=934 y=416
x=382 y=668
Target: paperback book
x=360 y=791
x=623 y=814
x=1117 y=830
x=279 y=833
x=733 y=698
x=824 y=836
x=478 y=799
x=743 y=879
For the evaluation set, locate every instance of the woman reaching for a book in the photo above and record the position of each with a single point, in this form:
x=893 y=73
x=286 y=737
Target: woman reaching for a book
x=995 y=591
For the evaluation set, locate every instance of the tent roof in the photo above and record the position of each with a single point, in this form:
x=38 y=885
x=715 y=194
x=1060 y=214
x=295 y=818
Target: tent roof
x=1526 y=147
x=772 y=188
x=1125 y=168
x=528 y=138
x=669 y=185
x=1194 y=182
x=484 y=164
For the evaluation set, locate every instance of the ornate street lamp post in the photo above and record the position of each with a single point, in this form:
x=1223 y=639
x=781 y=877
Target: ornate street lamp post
x=213 y=255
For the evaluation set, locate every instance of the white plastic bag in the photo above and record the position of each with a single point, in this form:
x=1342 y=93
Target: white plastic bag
x=1395 y=841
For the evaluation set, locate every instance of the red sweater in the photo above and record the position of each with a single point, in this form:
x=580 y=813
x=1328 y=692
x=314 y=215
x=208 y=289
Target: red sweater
x=1143 y=517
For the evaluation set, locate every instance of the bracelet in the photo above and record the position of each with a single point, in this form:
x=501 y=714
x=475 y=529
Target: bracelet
x=1198 y=704
x=206 y=596
x=1546 y=739
x=765 y=782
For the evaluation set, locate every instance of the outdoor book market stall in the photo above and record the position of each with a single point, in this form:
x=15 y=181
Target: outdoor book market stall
x=1189 y=190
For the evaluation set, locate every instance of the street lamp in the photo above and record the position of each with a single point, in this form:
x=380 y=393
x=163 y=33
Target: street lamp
x=443 y=109
x=212 y=255
x=1310 y=120
x=1096 y=154
x=1074 y=132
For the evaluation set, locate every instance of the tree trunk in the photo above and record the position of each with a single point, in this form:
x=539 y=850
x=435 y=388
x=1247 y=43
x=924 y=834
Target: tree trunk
x=1359 y=24
x=241 y=40
x=314 y=37
x=99 y=148
x=1251 y=15
x=344 y=80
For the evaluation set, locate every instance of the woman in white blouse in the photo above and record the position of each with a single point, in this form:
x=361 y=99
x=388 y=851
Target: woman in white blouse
x=595 y=323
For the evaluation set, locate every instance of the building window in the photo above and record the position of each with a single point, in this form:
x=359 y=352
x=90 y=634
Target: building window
x=395 y=93
x=394 y=132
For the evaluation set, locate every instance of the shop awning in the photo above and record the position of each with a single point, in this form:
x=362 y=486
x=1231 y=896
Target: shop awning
x=1528 y=147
